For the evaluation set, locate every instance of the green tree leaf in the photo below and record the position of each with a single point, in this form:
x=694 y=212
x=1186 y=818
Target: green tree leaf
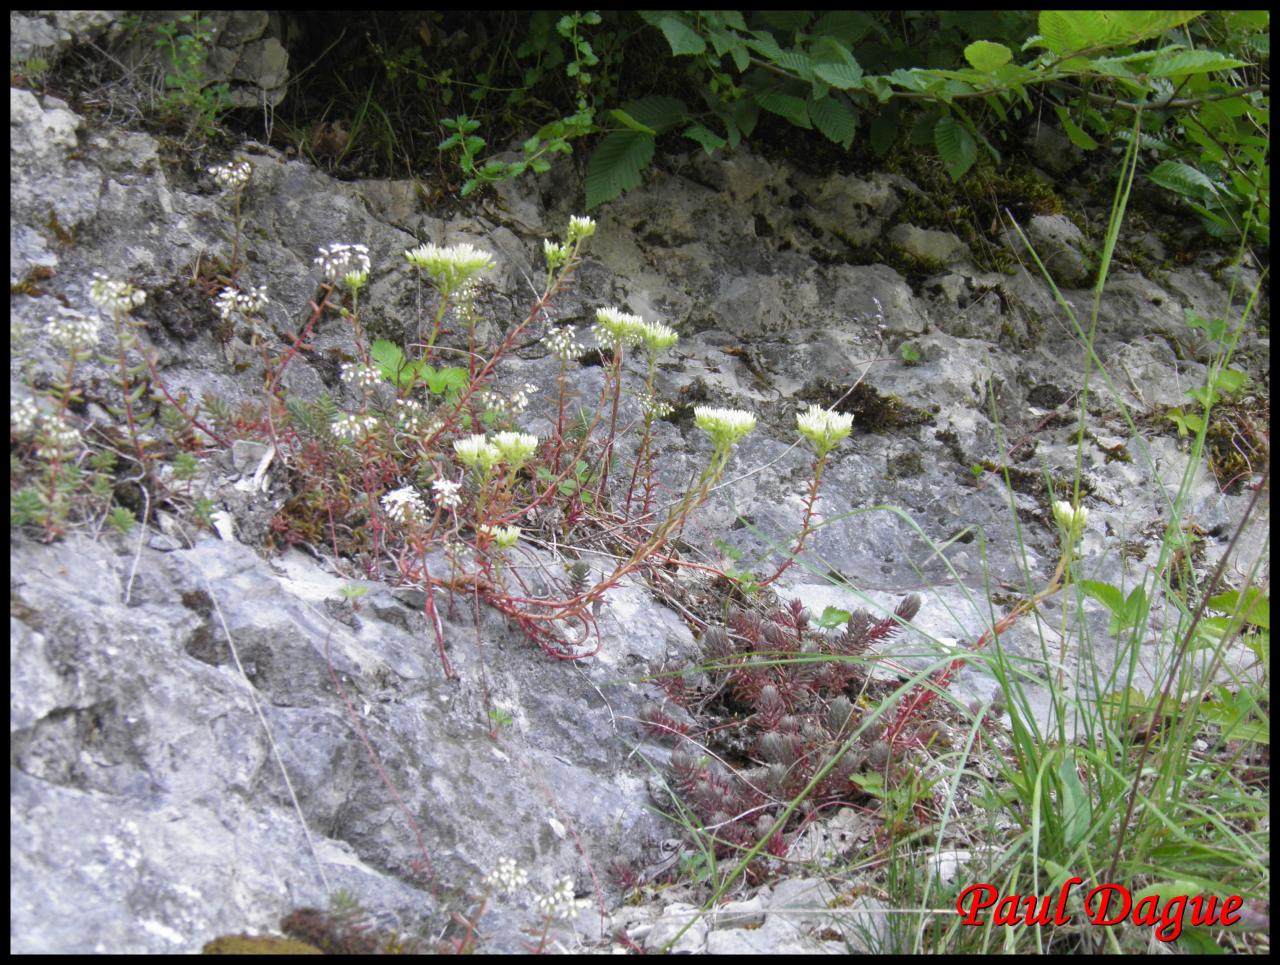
x=710 y=140
x=955 y=145
x=986 y=56
x=616 y=164
x=1182 y=62
x=657 y=113
x=683 y=39
x=1079 y=137
x=1183 y=179
x=785 y=105
x=834 y=119
x=841 y=76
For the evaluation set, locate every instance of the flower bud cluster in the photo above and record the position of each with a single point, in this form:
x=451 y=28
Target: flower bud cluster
x=73 y=330
x=231 y=175
x=354 y=427
x=116 y=297
x=404 y=505
x=251 y=301
x=345 y=262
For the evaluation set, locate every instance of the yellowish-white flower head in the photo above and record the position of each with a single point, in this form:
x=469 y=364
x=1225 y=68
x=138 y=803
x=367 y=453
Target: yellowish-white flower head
x=1070 y=518
x=658 y=337
x=556 y=254
x=616 y=329
x=824 y=428
x=515 y=447
x=476 y=450
x=580 y=228
x=453 y=267
x=504 y=537
x=724 y=426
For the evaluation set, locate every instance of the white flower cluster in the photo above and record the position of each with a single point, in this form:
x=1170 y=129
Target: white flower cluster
x=564 y=344
x=451 y=267
x=560 y=903
x=353 y=427
x=361 y=375
x=251 y=301
x=513 y=404
x=504 y=537
x=73 y=330
x=117 y=297
x=823 y=427
x=349 y=263
x=448 y=494
x=507 y=877
x=56 y=438
x=404 y=505
x=231 y=174
x=412 y=417
x=724 y=426
x=24 y=415
x=654 y=408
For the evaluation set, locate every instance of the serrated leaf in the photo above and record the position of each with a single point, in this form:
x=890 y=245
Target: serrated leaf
x=627 y=121
x=390 y=360
x=1106 y=594
x=657 y=112
x=986 y=56
x=1077 y=134
x=955 y=145
x=847 y=26
x=841 y=76
x=796 y=62
x=788 y=21
x=1183 y=179
x=1258 y=611
x=884 y=130
x=709 y=139
x=684 y=41
x=1183 y=62
x=785 y=105
x=833 y=617
x=834 y=119
x=616 y=164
